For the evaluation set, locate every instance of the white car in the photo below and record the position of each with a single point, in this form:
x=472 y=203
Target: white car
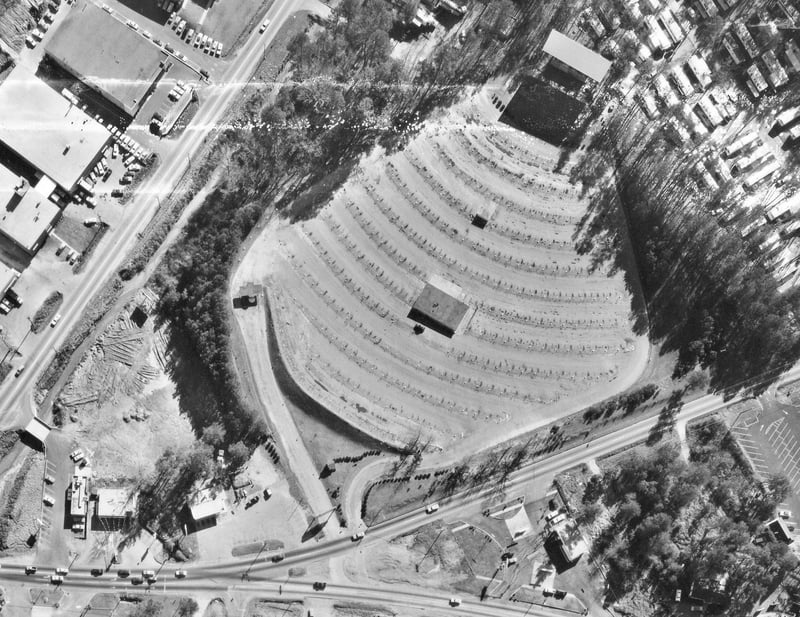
x=180 y=573
x=48 y=501
x=785 y=513
x=56 y=319
x=432 y=508
x=263 y=27
x=56 y=579
x=455 y=601
x=76 y=455
x=357 y=536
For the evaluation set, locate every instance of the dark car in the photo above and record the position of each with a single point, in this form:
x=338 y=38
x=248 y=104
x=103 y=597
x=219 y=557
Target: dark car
x=277 y=558
x=30 y=569
x=320 y=585
x=123 y=573
x=97 y=572
x=204 y=73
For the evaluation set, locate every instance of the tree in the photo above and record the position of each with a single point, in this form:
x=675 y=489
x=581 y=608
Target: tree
x=148 y=608
x=214 y=434
x=238 y=455
x=187 y=607
x=588 y=513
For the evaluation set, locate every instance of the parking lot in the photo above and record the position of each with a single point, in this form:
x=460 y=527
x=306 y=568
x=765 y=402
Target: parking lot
x=768 y=432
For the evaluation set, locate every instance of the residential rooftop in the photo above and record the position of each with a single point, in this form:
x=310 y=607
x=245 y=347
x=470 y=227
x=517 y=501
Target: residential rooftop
x=48 y=131
x=107 y=55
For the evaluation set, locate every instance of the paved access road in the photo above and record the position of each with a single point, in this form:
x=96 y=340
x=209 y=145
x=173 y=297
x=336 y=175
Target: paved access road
x=264 y=575
x=16 y=403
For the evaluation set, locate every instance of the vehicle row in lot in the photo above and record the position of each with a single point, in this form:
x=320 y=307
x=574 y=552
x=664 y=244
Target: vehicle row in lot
x=192 y=37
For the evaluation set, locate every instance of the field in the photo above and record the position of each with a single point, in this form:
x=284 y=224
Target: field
x=547 y=330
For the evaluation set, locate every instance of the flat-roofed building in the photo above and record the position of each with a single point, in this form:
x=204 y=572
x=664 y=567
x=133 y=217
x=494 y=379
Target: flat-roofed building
x=108 y=56
x=115 y=507
x=26 y=215
x=79 y=498
x=8 y=276
x=438 y=310
x=576 y=58
x=47 y=130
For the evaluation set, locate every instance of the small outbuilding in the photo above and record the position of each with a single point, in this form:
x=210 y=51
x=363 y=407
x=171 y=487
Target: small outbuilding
x=36 y=433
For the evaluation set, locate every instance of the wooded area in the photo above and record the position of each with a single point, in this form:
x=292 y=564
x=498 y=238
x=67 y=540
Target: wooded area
x=674 y=523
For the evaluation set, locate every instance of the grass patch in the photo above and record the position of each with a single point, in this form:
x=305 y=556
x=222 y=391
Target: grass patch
x=45 y=313
x=256 y=547
x=7 y=521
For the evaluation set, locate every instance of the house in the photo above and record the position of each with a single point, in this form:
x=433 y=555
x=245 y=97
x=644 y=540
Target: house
x=700 y=70
x=710 y=591
x=755 y=81
x=776 y=74
x=746 y=39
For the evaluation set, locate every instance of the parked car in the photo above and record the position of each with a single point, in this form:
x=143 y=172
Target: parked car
x=30 y=570
x=169 y=48
x=76 y=454
x=180 y=574
x=263 y=27
x=455 y=601
x=431 y=508
x=96 y=572
x=62 y=571
x=148 y=574
x=56 y=579
x=19 y=370
x=785 y=513
x=278 y=557
x=49 y=479
x=267 y=493
x=320 y=585
x=204 y=73
x=357 y=536
x=55 y=320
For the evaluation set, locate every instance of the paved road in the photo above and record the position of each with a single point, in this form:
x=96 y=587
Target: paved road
x=253 y=326
x=16 y=403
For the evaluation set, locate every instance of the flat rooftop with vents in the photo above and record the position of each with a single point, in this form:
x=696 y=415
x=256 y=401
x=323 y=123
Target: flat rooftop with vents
x=438 y=310
x=107 y=55
x=47 y=131
x=26 y=215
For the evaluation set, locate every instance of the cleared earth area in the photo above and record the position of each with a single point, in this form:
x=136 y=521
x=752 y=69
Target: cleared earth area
x=544 y=331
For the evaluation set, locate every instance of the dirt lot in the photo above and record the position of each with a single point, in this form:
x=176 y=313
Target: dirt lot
x=119 y=405
x=546 y=333
x=21 y=499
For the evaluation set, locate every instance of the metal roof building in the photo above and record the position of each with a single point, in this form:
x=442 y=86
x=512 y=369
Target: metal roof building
x=576 y=56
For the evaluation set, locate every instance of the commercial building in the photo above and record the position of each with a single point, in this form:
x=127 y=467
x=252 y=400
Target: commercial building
x=48 y=131
x=576 y=59
x=27 y=216
x=115 y=507
x=79 y=498
x=108 y=56
x=206 y=508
